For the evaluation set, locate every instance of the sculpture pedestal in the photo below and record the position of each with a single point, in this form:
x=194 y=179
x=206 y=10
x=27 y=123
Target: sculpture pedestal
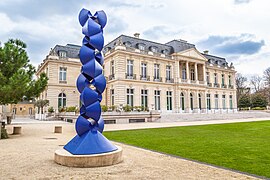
x=65 y=158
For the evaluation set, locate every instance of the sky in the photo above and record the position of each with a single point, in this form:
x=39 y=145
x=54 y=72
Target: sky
x=235 y=29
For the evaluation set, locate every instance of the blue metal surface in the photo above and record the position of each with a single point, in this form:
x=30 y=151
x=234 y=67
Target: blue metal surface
x=89 y=125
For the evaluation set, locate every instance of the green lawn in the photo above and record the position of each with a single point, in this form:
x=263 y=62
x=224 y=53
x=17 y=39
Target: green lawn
x=240 y=146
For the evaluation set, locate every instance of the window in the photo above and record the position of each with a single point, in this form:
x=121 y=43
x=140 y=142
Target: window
x=130 y=67
x=169 y=100
x=112 y=67
x=222 y=80
x=216 y=101
x=62 y=54
x=191 y=101
x=142 y=47
x=165 y=52
x=62 y=100
x=62 y=74
x=224 y=101
x=144 y=98
x=231 y=102
x=192 y=74
x=184 y=73
x=200 y=101
x=154 y=49
x=112 y=97
x=207 y=77
x=30 y=111
x=182 y=101
x=168 y=72
x=144 y=70
x=14 y=110
x=130 y=93
x=208 y=99
x=230 y=80
x=157 y=100
x=156 y=71
x=215 y=78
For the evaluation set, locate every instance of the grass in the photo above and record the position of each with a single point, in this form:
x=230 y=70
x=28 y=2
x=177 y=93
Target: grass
x=241 y=146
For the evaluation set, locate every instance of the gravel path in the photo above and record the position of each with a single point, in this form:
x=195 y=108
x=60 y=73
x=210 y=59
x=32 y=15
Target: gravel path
x=30 y=156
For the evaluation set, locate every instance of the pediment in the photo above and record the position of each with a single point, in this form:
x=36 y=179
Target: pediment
x=192 y=53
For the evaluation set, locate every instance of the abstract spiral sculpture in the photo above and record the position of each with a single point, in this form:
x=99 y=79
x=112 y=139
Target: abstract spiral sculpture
x=91 y=83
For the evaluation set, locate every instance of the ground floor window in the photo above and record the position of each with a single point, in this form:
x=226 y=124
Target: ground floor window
x=200 y=101
x=112 y=97
x=30 y=111
x=224 y=101
x=216 y=101
x=157 y=100
x=169 y=100
x=231 y=102
x=208 y=100
x=62 y=100
x=144 y=98
x=191 y=101
x=182 y=101
x=130 y=94
x=14 y=110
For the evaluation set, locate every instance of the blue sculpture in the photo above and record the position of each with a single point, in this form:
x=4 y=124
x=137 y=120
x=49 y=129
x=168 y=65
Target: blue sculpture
x=91 y=83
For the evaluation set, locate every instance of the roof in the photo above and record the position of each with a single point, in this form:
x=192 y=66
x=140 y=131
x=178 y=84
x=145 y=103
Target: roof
x=71 y=50
x=133 y=42
x=215 y=59
x=171 y=47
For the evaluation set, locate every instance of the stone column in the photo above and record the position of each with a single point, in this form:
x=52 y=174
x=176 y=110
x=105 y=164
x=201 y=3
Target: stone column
x=176 y=72
x=196 y=101
x=187 y=72
x=204 y=73
x=196 y=73
x=187 y=106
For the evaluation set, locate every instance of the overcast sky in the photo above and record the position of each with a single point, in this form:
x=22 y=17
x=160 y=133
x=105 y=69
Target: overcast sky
x=238 y=30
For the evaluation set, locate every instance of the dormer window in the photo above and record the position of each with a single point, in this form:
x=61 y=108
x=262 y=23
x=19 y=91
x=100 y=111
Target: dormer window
x=141 y=47
x=127 y=44
x=154 y=49
x=165 y=51
x=62 y=54
x=107 y=49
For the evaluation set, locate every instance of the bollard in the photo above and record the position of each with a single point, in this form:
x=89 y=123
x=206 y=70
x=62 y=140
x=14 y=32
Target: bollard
x=17 y=130
x=58 y=129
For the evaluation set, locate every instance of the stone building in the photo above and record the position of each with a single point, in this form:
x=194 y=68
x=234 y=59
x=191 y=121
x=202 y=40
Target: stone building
x=170 y=77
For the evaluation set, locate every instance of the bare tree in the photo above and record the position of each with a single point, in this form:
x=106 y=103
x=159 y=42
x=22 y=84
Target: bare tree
x=241 y=87
x=266 y=76
x=256 y=82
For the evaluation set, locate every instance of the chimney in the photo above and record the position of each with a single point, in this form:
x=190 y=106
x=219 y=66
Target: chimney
x=137 y=35
x=205 y=51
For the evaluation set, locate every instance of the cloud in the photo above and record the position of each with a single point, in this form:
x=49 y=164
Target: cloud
x=33 y=9
x=157 y=32
x=116 y=25
x=241 y=1
x=157 y=5
x=118 y=4
x=244 y=44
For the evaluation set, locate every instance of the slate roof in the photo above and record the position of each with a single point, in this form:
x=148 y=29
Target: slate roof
x=71 y=50
x=216 y=60
x=171 y=47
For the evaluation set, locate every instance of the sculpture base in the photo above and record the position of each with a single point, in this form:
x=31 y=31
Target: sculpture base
x=65 y=158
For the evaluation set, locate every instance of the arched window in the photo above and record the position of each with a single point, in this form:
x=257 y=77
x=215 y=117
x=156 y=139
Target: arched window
x=182 y=101
x=62 y=100
x=191 y=101
x=200 y=101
